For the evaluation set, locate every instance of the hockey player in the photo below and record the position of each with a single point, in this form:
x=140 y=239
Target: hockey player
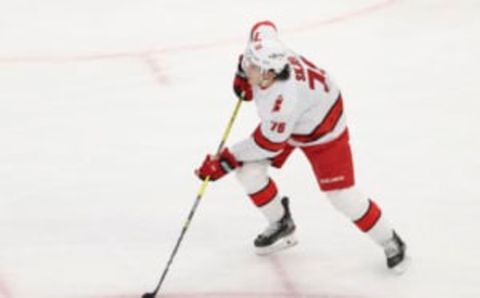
x=299 y=107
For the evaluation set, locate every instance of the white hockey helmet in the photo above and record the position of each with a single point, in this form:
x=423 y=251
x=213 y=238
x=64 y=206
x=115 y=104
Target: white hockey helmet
x=268 y=54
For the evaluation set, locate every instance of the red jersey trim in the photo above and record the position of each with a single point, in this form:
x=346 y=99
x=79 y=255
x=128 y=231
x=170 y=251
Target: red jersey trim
x=265 y=143
x=327 y=125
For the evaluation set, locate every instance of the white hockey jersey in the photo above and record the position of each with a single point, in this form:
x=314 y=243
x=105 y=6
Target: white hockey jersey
x=305 y=110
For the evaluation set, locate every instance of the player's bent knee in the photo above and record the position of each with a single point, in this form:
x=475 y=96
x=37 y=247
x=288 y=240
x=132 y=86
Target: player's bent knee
x=252 y=174
x=349 y=201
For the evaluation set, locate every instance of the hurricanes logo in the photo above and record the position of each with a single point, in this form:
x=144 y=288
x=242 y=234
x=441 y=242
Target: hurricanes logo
x=278 y=104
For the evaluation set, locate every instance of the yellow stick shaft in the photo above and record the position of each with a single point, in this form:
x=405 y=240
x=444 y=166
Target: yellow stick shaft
x=200 y=193
x=226 y=133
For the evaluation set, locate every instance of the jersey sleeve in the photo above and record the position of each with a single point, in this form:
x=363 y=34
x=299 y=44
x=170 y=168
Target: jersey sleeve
x=269 y=138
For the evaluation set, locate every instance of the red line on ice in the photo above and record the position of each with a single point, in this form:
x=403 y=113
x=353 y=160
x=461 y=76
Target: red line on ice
x=236 y=295
x=4 y=290
x=145 y=54
x=284 y=277
x=155 y=69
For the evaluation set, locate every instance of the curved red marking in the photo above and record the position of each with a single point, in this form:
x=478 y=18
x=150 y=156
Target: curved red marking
x=192 y=47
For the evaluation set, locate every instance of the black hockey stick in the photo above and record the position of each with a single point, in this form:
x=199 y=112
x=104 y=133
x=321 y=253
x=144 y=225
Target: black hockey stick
x=200 y=193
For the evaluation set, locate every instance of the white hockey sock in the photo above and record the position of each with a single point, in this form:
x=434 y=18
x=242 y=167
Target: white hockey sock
x=273 y=211
x=261 y=189
x=364 y=213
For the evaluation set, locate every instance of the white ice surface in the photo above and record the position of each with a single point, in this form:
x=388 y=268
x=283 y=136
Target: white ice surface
x=106 y=107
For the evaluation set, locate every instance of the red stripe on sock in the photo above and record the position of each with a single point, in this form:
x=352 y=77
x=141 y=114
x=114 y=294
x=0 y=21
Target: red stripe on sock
x=370 y=218
x=265 y=195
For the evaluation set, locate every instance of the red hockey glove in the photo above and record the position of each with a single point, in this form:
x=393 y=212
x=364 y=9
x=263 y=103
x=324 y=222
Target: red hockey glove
x=241 y=86
x=217 y=167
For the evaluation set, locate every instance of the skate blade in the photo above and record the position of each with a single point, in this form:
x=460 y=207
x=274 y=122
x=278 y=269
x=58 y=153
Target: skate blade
x=402 y=267
x=284 y=243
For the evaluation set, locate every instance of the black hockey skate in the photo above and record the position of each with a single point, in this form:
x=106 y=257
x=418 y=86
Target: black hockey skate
x=395 y=252
x=278 y=235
